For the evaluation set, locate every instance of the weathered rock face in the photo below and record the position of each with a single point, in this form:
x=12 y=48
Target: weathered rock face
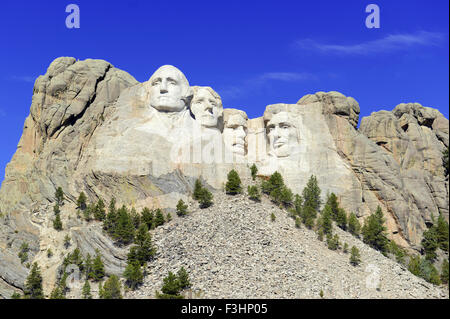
x=94 y=128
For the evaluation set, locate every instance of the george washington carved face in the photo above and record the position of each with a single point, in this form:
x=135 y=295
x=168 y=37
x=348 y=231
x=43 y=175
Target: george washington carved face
x=169 y=90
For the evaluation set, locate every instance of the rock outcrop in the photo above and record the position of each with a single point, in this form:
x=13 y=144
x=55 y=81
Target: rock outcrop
x=94 y=128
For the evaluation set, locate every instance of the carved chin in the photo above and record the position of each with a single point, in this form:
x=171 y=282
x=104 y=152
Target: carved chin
x=168 y=107
x=282 y=151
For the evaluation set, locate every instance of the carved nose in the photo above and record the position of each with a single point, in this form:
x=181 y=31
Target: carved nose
x=163 y=87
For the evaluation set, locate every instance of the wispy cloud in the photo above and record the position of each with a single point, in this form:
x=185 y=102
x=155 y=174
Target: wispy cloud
x=2 y=113
x=23 y=78
x=262 y=80
x=390 y=43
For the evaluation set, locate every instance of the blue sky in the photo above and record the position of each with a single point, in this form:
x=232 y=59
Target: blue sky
x=253 y=53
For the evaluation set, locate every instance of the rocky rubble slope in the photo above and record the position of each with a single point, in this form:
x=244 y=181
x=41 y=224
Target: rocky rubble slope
x=234 y=250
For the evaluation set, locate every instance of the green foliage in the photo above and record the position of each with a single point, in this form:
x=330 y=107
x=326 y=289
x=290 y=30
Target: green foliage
x=181 y=208
x=298 y=222
x=59 y=195
x=110 y=222
x=442 y=233
x=168 y=217
x=325 y=222
x=308 y=216
x=423 y=268
x=397 y=251
x=88 y=267
x=133 y=275
x=333 y=242
x=233 y=185
x=341 y=219
x=67 y=241
x=444 y=272
x=100 y=211
x=430 y=243
x=33 y=284
x=311 y=194
x=298 y=203
x=171 y=285
x=205 y=198
x=86 y=292
x=320 y=234
x=197 y=189
x=345 y=249
x=49 y=253
x=183 y=278
x=16 y=295
x=334 y=205
x=144 y=250
x=57 y=223
x=147 y=217
x=374 y=231
x=81 y=201
x=321 y=294
x=273 y=217
x=159 y=218
x=253 y=193
x=124 y=232
x=355 y=256
x=445 y=161
x=98 y=269
x=286 y=196
x=112 y=288
x=354 y=227
x=74 y=258
x=57 y=293
x=23 y=252
x=56 y=209
x=254 y=171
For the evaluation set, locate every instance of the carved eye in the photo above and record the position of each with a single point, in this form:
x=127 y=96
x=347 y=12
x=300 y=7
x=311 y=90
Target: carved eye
x=156 y=82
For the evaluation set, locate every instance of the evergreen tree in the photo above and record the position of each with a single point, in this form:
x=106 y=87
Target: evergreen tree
x=341 y=219
x=147 y=218
x=273 y=217
x=325 y=222
x=16 y=295
x=254 y=171
x=124 y=232
x=98 y=269
x=59 y=194
x=233 y=185
x=253 y=193
x=355 y=257
x=423 y=268
x=86 y=293
x=445 y=161
x=33 y=284
x=442 y=233
x=398 y=252
x=23 y=252
x=100 y=212
x=111 y=288
x=159 y=218
x=110 y=222
x=354 y=227
x=197 y=189
x=308 y=216
x=345 y=249
x=133 y=274
x=56 y=209
x=298 y=203
x=298 y=222
x=144 y=249
x=181 y=208
x=168 y=217
x=334 y=205
x=333 y=242
x=374 y=231
x=183 y=278
x=57 y=223
x=430 y=243
x=286 y=196
x=205 y=198
x=100 y=290
x=171 y=285
x=89 y=212
x=67 y=241
x=311 y=194
x=135 y=218
x=444 y=272
x=57 y=293
x=89 y=267
x=81 y=201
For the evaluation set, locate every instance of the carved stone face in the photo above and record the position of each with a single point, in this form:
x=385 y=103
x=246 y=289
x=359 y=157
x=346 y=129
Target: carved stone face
x=234 y=134
x=206 y=108
x=282 y=134
x=168 y=89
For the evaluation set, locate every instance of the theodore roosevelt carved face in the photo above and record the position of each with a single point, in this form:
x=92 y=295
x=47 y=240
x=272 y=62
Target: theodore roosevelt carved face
x=235 y=131
x=169 y=90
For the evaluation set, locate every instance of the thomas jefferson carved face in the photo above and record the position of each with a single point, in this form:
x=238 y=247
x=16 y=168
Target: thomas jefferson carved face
x=282 y=134
x=206 y=107
x=234 y=133
x=169 y=89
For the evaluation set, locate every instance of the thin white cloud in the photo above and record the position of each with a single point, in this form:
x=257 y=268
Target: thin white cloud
x=258 y=82
x=23 y=78
x=390 y=43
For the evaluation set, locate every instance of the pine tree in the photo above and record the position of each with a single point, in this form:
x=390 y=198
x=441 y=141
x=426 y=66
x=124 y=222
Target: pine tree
x=133 y=275
x=89 y=267
x=442 y=233
x=124 y=232
x=183 y=278
x=135 y=218
x=444 y=272
x=98 y=269
x=57 y=293
x=33 y=284
x=171 y=285
x=254 y=171
x=86 y=293
x=326 y=223
x=205 y=198
x=168 y=217
x=144 y=249
x=110 y=223
x=374 y=231
x=111 y=288
x=334 y=205
x=333 y=242
x=430 y=243
x=308 y=216
x=59 y=194
x=253 y=193
x=81 y=201
x=197 y=189
x=181 y=208
x=445 y=161
x=355 y=257
x=159 y=218
x=56 y=209
x=16 y=295
x=286 y=196
x=23 y=253
x=311 y=194
x=233 y=185
x=57 y=223
x=273 y=217
x=67 y=241
x=100 y=212
x=147 y=217
x=354 y=227
x=88 y=212
x=345 y=249
x=298 y=222
x=341 y=219
x=298 y=203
